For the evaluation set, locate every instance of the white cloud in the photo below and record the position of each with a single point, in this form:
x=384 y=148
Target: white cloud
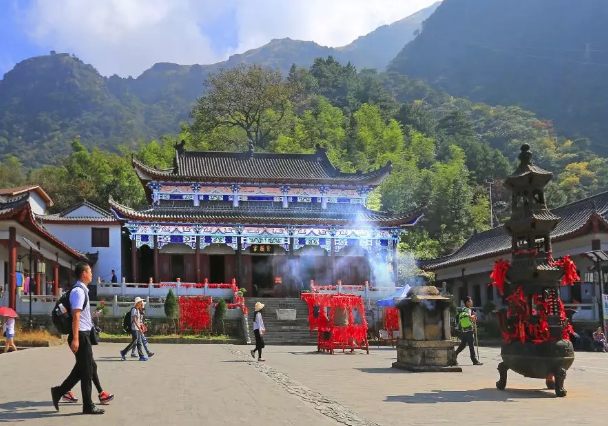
x=127 y=36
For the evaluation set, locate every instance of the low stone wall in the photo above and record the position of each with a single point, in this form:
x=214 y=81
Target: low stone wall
x=163 y=327
x=175 y=340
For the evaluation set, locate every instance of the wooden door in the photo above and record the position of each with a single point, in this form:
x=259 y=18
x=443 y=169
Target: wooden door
x=189 y=268
x=164 y=261
x=229 y=268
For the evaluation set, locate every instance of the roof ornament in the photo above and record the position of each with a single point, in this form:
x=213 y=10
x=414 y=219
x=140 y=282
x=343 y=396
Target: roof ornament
x=525 y=155
x=251 y=148
x=180 y=147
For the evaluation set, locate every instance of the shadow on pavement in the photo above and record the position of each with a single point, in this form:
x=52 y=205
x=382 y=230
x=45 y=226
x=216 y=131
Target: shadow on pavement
x=21 y=411
x=489 y=394
x=383 y=370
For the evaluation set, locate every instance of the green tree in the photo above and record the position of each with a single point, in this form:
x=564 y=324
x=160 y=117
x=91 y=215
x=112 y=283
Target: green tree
x=171 y=309
x=240 y=98
x=220 y=314
x=11 y=172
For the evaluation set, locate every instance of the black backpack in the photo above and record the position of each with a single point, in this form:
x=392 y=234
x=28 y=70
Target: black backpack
x=62 y=312
x=126 y=322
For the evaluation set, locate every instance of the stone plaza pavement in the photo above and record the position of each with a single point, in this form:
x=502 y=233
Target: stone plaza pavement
x=222 y=385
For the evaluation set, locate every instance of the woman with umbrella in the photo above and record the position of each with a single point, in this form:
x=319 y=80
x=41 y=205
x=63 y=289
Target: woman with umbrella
x=9 y=327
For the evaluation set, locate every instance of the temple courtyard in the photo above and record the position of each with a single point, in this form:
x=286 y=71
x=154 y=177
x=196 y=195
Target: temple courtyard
x=222 y=385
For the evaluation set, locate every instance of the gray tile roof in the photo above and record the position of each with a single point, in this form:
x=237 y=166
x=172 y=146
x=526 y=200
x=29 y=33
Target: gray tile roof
x=575 y=217
x=267 y=214
x=249 y=166
x=63 y=217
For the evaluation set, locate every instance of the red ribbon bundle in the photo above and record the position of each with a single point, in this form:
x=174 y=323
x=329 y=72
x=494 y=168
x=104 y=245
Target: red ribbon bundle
x=570 y=274
x=499 y=274
x=391 y=319
x=194 y=313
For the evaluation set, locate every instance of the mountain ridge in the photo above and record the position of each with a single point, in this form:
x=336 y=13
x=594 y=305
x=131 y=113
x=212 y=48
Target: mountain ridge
x=73 y=99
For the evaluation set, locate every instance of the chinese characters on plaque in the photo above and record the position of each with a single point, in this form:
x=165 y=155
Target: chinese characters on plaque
x=262 y=248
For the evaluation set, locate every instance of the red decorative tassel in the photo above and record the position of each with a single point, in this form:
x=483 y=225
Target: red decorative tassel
x=499 y=274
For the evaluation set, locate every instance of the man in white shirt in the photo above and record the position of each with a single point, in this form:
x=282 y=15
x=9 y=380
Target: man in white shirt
x=80 y=343
x=136 y=330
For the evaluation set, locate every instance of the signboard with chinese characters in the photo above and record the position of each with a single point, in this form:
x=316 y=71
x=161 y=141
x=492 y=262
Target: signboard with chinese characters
x=262 y=248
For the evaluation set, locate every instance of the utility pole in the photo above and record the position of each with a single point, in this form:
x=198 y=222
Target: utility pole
x=490 y=182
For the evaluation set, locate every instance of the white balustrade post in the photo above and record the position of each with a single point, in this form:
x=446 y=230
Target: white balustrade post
x=177 y=287
x=123 y=288
x=205 y=289
x=115 y=310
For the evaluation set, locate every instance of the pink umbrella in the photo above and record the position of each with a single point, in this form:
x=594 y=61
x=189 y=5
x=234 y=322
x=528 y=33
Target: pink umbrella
x=7 y=312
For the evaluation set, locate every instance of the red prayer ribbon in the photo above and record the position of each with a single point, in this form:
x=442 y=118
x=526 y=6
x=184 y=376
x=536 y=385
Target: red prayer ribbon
x=499 y=274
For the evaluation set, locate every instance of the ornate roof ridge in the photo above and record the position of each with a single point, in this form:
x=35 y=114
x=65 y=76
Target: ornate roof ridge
x=237 y=167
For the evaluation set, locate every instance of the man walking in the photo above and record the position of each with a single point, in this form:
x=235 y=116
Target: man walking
x=114 y=278
x=466 y=320
x=136 y=330
x=80 y=343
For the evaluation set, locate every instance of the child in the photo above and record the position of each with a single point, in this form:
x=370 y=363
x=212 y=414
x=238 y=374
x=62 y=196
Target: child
x=9 y=331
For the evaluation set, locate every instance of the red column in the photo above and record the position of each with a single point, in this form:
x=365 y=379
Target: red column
x=156 y=264
x=134 y=265
x=12 y=267
x=197 y=261
x=56 y=278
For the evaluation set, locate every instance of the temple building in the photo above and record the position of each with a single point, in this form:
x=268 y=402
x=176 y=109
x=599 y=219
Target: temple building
x=273 y=222
x=583 y=229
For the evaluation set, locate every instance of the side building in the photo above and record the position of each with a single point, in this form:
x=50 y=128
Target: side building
x=583 y=228
x=273 y=222
x=92 y=230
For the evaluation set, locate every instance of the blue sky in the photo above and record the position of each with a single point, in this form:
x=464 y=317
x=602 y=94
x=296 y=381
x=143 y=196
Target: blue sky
x=125 y=37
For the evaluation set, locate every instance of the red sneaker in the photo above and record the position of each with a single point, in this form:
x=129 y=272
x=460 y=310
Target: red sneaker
x=105 y=397
x=69 y=397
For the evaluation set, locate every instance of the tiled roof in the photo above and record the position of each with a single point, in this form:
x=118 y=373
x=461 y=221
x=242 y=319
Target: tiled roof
x=266 y=215
x=18 y=190
x=88 y=204
x=7 y=207
x=576 y=218
x=249 y=166
x=62 y=217
x=19 y=209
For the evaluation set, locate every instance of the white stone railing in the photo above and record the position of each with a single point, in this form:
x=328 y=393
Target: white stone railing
x=43 y=305
x=161 y=289
x=368 y=293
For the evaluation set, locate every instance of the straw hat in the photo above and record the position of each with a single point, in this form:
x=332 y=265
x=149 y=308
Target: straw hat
x=259 y=306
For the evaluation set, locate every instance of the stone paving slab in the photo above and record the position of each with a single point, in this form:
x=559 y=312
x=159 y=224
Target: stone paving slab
x=221 y=385
x=367 y=384
x=180 y=385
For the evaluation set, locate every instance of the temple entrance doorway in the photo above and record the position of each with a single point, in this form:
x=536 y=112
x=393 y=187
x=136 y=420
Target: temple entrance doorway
x=177 y=266
x=217 y=267
x=146 y=263
x=261 y=271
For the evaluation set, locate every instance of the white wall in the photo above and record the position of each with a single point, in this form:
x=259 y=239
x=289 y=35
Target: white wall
x=79 y=237
x=37 y=203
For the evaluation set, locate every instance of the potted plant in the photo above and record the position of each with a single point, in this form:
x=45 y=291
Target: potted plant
x=242 y=291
